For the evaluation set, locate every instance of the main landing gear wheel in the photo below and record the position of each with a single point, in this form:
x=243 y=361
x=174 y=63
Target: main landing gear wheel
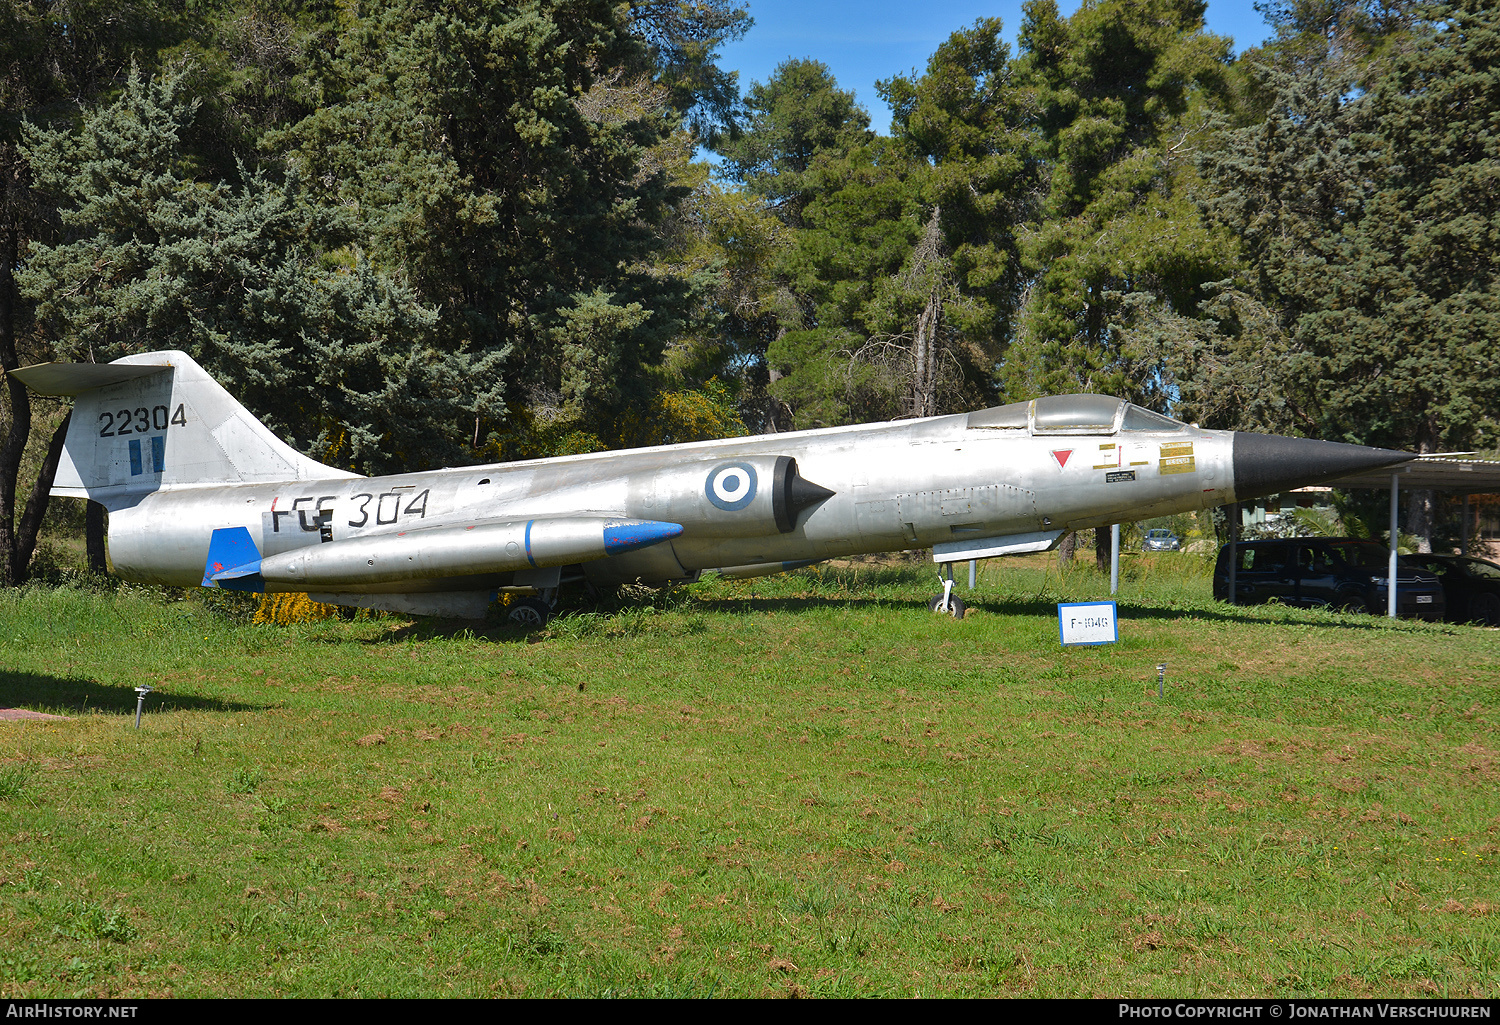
x=528 y=613
x=955 y=605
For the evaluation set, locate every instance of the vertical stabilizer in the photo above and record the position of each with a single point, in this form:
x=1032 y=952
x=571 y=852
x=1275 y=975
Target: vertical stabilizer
x=158 y=421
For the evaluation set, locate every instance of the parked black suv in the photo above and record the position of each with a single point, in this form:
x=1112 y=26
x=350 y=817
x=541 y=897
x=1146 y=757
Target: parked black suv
x=1326 y=572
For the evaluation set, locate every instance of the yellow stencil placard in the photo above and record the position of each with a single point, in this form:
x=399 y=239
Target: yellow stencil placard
x=1107 y=451
x=1176 y=457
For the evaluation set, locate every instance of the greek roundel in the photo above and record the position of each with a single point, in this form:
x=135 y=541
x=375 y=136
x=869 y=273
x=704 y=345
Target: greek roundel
x=731 y=486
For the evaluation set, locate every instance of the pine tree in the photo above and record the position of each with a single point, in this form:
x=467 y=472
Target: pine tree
x=54 y=59
x=1368 y=219
x=256 y=282
x=1125 y=94
x=466 y=137
x=796 y=117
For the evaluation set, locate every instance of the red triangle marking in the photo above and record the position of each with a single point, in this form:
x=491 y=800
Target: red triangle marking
x=1061 y=455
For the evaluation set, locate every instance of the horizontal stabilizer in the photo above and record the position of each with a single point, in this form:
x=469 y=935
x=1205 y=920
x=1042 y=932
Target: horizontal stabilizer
x=75 y=378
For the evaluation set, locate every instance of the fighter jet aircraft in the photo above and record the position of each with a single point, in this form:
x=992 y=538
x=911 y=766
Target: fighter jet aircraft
x=200 y=492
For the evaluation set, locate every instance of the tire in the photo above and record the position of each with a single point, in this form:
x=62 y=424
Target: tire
x=955 y=608
x=528 y=614
x=1350 y=603
x=1485 y=609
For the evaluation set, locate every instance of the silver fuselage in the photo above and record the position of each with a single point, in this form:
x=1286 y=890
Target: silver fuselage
x=902 y=485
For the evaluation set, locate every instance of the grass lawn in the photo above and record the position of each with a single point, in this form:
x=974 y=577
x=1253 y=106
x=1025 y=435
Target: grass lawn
x=804 y=785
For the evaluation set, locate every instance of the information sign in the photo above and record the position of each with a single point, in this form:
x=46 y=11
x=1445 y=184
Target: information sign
x=1088 y=622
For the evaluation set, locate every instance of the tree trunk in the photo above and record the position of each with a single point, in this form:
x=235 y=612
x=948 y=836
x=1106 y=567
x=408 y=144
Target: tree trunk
x=925 y=388
x=925 y=336
x=1419 y=504
x=94 y=527
x=1066 y=547
x=1101 y=549
x=12 y=568
x=30 y=524
x=1419 y=508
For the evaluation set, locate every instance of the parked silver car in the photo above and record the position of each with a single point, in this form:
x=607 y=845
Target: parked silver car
x=1161 y=540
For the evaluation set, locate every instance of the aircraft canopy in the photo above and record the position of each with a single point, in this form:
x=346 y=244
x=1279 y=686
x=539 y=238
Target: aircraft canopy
x=1073 y=414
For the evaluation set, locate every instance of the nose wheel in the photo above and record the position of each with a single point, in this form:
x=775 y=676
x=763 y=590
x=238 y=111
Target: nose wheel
x=952 y=605
x=947 y=602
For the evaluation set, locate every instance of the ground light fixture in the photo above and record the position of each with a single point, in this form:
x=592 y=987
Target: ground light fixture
x=140 y=701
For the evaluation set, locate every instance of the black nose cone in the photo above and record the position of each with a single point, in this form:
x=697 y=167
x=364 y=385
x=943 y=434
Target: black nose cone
x=1266 y=464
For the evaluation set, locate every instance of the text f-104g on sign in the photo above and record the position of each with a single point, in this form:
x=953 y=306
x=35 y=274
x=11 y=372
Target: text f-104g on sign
x=1089 y=622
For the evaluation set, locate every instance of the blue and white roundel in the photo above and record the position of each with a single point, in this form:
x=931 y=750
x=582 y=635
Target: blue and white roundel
x=731 y=486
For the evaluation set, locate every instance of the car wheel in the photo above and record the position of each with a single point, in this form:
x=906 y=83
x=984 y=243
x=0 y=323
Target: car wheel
x=1350 y=603
x=955 y=605
x=1485 y=608
x=528 y=613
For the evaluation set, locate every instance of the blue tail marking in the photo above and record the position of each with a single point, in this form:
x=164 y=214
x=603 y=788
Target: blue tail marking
x=138 y=456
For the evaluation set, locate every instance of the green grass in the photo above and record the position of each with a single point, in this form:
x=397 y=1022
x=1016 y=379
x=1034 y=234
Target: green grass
x=799 y=785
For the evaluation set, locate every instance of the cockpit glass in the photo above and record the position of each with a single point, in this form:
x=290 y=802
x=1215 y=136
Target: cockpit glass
x=1138 y=419
x=1076 y=412
x=1013 y=415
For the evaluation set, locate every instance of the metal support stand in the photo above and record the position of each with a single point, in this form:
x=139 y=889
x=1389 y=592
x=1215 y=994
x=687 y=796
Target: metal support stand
x=140 y=702
x=1234 y=552
x=1390 y=583
x=1114 y=559
x=974 y=571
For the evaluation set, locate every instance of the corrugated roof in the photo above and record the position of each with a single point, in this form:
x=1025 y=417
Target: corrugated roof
x=1439 y=473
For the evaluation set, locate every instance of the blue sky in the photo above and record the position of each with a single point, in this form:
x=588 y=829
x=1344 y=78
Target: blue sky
x=865 y=40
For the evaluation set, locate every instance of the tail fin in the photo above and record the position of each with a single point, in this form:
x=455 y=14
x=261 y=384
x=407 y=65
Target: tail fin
x=158 y=421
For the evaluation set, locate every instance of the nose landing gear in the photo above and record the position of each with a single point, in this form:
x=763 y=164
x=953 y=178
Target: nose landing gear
x=947 y=602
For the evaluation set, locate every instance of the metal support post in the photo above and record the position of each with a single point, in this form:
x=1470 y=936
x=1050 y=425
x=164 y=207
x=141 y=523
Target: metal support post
x=1390 y=583
x=1234 y=553
x=973 y=572
x=1114 y=559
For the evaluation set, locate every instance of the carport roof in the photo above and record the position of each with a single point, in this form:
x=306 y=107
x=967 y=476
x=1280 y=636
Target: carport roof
x=1439 y=473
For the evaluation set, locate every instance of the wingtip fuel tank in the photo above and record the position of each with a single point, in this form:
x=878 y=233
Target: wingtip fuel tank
x=200 y=492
